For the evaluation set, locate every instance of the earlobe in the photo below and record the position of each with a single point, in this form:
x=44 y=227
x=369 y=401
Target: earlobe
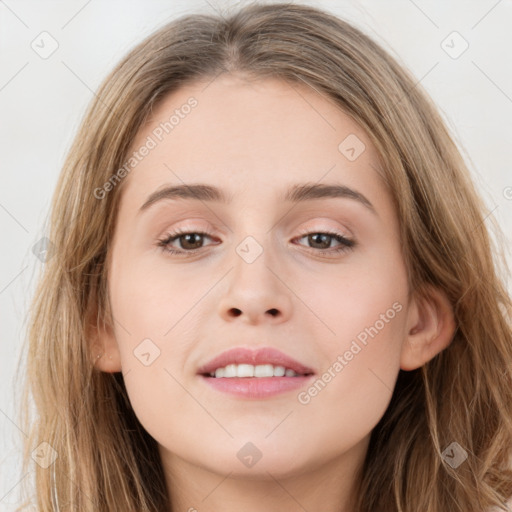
x=108 y=362
x=431 y=329
x=100 y=335
x=105 y=351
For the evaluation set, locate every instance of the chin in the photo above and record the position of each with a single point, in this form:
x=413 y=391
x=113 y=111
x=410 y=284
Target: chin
x=253 y=460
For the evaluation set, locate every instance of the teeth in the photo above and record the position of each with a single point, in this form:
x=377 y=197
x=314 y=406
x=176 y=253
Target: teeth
x=249 y=370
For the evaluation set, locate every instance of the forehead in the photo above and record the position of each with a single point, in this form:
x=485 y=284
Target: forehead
x=250 y=136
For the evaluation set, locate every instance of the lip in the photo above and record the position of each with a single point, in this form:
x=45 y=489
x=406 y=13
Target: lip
x=255 y=387
x=266 y=355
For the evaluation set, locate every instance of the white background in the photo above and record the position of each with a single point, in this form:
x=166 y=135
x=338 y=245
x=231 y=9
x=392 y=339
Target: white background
x=42 y=101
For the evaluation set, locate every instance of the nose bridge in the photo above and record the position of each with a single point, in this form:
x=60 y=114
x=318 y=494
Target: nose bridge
x=254 y=292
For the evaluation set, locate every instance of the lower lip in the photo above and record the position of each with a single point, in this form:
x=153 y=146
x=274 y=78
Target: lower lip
x=256 y=387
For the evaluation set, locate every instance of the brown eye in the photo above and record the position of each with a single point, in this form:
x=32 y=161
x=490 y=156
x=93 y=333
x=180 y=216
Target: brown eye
x=323 y=240
x=189 y=242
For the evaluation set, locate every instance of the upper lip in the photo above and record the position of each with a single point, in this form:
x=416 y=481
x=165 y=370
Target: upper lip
x=266 y=355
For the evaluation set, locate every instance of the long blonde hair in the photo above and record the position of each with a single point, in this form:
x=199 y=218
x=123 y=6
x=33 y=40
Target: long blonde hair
x=105 y=460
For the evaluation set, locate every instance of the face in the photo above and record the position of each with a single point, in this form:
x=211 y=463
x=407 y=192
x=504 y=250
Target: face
x=317 y=276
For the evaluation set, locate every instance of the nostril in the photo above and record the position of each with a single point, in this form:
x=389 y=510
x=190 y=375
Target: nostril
x=237 y=312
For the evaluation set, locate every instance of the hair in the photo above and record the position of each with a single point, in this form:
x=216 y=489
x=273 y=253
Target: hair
x=105 y=459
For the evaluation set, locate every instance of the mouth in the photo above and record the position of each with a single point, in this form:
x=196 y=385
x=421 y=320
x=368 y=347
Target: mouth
x=255 y=374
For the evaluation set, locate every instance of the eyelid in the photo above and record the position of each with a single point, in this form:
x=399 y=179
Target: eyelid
x=189 y=225
x=186 y=228
x=325 y=229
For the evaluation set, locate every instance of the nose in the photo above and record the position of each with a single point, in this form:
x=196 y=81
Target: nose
x=256 y=293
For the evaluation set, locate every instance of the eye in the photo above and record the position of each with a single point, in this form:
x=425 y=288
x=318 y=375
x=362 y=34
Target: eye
x=190 y=242
x=321 y=241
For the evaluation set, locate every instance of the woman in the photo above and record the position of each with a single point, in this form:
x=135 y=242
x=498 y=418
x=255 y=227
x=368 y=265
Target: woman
x=273 y=287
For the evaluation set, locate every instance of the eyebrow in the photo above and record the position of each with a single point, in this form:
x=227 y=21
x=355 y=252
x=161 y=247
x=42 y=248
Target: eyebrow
x=297 y=193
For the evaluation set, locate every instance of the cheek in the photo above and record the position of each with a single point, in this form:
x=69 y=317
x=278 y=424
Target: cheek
x=153 y=308
x=363 y=311
x=151 y=299
x=355 y=386
x=363 y=300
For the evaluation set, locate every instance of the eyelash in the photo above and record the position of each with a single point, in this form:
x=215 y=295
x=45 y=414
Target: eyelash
x=346 y=244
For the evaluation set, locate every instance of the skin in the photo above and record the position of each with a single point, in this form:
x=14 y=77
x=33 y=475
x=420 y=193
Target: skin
x=254 y=139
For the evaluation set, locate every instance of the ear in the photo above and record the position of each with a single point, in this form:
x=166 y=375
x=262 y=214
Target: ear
x=430 y=326
x=106 y=355
x=103 y=345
